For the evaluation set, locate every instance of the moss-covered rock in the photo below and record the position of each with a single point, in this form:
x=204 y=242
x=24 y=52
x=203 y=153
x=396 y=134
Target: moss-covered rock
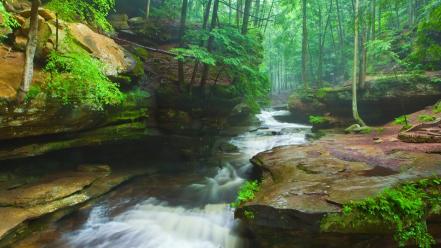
x=379 y=102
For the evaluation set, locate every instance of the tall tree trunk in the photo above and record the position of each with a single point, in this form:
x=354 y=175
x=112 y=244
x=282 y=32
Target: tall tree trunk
x=204 y=27
x=147 y=10
x=373 y=20
x=355 y=113
x=31 y=47
x=246 y=16
x=322 y=39
x=342 y=40
x=230 y=12
x=269 y=15
x=257 y=13
x=363 y=60
x=181 y=77
x=304 y=46
x=238 y=13
x=210 y=41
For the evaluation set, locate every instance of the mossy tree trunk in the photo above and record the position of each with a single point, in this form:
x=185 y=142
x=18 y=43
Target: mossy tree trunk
x=355 y=113
x=206 y=69
x=304 y=46
x=31 y=47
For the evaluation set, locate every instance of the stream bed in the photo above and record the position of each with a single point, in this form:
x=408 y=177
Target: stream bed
x=175 y=209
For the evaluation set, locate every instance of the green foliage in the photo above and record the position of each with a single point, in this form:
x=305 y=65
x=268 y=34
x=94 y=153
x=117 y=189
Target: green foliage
x=236 y=56
x=246 y=193
x=196 y=52
x=437 y=108
x=249 y=214
x=322 y=92
x=7 y=20
x=405 y=208
x=92 y=11
x=426 y=118
x=33 y=92
x=77 y=79
x=427 y=51
x=317 y=120
x=403 y=121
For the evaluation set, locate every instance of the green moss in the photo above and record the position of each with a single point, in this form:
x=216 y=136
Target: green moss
x=249 y=215
x=142 y=52
x=426 y=118
x=322 y=92
x=138 y=71
x=437 y=108
x=403 y=209
x=317 y=120
x=246 y=193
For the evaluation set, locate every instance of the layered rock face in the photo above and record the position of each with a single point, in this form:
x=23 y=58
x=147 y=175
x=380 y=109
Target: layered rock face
x=380 y=101
x=301 y=184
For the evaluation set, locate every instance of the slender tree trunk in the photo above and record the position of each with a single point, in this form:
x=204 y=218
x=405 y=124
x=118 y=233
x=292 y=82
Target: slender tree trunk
x=269 y=15
x=230 y=12
x=210 y=41
x=31 y=47
x=181 y=77
x=204 y=27
x=342 y=40
x=238 y=13
x=246 y=16
x=355 y=113
x=379 y=19
x=363 y=62
x=373 y=20
x=147 y=10
x=256 y=13
x=304 y=46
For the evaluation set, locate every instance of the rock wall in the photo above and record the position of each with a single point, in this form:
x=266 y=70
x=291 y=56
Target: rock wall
x=381 y=101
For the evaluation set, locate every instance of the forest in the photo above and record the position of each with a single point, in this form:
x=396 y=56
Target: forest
x=220 y=123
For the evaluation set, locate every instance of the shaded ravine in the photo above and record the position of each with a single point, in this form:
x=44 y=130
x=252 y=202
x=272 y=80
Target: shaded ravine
x=185 y=211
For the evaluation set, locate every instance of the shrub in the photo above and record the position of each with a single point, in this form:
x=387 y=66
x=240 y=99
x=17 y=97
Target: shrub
x=317 y=120
x=246 y=193
x=405 y=209
x=437 y=108
x=94 y=12
x=403 y=121
x=77 y=79
x=7 y=20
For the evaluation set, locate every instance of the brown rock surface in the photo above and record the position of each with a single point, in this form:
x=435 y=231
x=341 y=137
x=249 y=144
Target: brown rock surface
x=303 y=183
x=54 y=193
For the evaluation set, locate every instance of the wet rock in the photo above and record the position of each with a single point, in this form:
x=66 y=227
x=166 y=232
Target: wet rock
x=94 y=168
x=301 y=184
x=53 y=194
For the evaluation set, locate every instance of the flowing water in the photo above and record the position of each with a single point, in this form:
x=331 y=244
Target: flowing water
x=184 y=213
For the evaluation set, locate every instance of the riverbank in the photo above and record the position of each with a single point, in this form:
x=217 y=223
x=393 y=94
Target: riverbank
x=301 y=184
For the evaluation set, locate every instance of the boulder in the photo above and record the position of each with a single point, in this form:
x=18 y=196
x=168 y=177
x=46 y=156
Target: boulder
x=116 y=59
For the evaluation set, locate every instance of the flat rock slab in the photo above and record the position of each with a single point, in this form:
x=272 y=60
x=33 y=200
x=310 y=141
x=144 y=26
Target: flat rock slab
x=316 y=179
x=54 y=193
x=47 y=190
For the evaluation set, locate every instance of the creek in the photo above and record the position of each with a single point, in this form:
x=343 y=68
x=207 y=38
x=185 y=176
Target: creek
x=189 y=208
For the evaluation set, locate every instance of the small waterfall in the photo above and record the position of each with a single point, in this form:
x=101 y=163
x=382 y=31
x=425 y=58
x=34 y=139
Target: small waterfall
x=220 y=188
x=156 y=224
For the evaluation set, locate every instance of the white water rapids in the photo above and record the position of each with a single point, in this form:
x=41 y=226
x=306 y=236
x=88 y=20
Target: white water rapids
x=156 y=224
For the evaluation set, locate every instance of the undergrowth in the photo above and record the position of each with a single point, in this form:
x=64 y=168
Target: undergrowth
x=246 y=193
x=77 y=79
x=404 y=209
